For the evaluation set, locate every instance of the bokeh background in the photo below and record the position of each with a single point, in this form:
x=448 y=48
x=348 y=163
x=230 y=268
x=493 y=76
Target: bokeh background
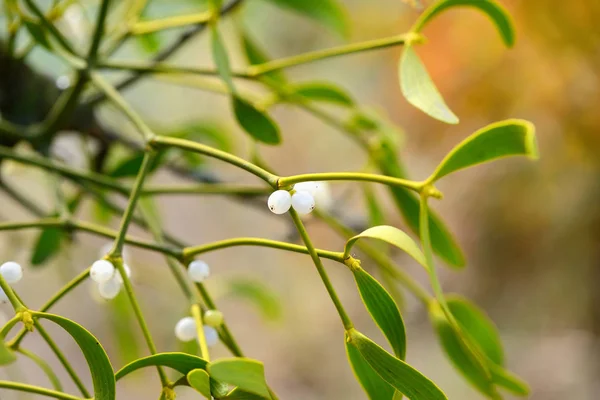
x=531 y=231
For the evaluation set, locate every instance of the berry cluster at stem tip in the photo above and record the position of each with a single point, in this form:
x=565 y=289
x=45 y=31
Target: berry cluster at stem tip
x=303 y=197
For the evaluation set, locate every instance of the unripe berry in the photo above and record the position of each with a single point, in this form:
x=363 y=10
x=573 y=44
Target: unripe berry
x=185 y=329
x=310 y=187
x=11 y=272
x=211 y=335
x=198 y=271
x=213 y=318
x=109 y=289
x=303 y=202
x=102 y=271
x=279 y=201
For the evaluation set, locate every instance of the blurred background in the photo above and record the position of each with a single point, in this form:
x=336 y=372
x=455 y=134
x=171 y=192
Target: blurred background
x=530 y=231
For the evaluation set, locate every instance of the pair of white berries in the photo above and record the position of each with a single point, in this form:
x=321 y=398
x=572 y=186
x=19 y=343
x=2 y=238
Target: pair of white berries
x=109 y=280
x=303 y=199
x=185 y=329
x=12 y=272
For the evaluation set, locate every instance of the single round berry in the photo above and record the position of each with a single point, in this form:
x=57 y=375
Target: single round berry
x=102 y=271
x=211 y=336
x=118 y=276
x=213 y=318
x=279 y=201
x=303 y=202
x=198 y=270
x=11 y=271
x=310 y=187
x=63 y=82
x=3 y=297
x=323 y=197
x=185 y=329
x=109 y=289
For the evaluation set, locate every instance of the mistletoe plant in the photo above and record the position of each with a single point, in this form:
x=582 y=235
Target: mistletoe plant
x=34 y=109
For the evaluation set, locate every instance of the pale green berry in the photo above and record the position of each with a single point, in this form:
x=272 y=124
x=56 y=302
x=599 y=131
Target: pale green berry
x=213 y=318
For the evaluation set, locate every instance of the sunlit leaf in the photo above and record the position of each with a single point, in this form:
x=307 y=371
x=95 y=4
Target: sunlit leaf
x=101 y=370
x=245 y=373
x=259 y=294
x=47 y=245
x=323 y=92
x=513 y=137
x=391 y=235
x=394 y=371
x=491 y=8
x=180 y=362
x=328 y=12
x=419 y=90
x=199 y=380
x=256 y=122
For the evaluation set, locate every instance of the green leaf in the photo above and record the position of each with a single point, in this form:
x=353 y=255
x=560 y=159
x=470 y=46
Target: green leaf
x=375 y=387
x=220 y=57
x=256 y=55
x=407 y=203
x=419 y=90
x=245 y=373
x=491 y=8
x=131 y=165
x=180 y=362
x=254 y=121
x=7 y=356
x=513 y=137
x=394 y=371
x=261 y=295
x=101 y=370
x=237 y=394
x=126 y=340
x=47 y=245
x=324 y=92
x=391 y=235
x=45 y=367
x=328 y=12
x=37 y=33
x=376 y=214
x=383 y=309
x=509 y=381
x=199 y=380
x=149 y=42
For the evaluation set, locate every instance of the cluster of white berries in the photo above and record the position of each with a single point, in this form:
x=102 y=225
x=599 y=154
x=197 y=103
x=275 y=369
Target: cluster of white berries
x=109 y=280
x=185 y=329
x=304 y=199
x=12 y=272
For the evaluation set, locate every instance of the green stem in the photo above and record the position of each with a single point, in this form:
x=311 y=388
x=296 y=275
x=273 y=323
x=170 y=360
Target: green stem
x=144 y=27
x=22 y=387
x=321 y=270
x=50 y=26
x=12 y=297
x=164 y=141
x=350 y=176
x=197 y=314
x=98 y=32
x=163 y=69
x=44 y=366
x=209 y=188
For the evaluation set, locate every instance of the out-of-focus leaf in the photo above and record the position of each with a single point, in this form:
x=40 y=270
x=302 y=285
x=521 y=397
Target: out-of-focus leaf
x=442 y=241
x=180 y=362
x=513 y=137
x=509 y=381
x=256 y=122
x=328 y=12
x=374 y=385
x=131 y=165
x=102 y=214
x=47 y=245
x=259 y=294
x=124 y=334
x=383 y=309
x=256 y=55
x=101 y=370
x=199 y=380
x=149 y=42
x=391 y=235
x=491 y=8
x=394 y=371
x=45 y=367
x=324 y=92
x=245 y=373
x=376 y=215
x=419 y=90
x=37 y=33
x=220 y=57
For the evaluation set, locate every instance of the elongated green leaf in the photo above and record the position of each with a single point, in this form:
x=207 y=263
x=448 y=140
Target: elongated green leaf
x=121 y=318
x=391 y=235
x=408 y=204
x=491 y=8
x=396 y=372
x=383 y=309
x=257 y=55
x=101 y=370
x=47 y=245
x=199 y=380
x=375 y=387
x=261 y=295
x=237 y=394
x=45 y=367
x=324 y=92
x=419 y=90
x=509 y=381
x=220 y=57
x=328 y=12
x=245 y=373
x=37 y=33
x=180 y=362
x=513 y=137
x=254 y=121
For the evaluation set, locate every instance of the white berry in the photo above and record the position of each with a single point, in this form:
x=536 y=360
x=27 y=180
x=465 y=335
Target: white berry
x=102 y=271
x=323 y=197
x=118 y=276
x=109 y=289
x=310 y=187
x=211 y=336
x=213 y=318
x=303 y=202
x=3 y=297
x=185 y=329
x=11 y=271
x=198 y=270
x=279 y=201
x=63 y=82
